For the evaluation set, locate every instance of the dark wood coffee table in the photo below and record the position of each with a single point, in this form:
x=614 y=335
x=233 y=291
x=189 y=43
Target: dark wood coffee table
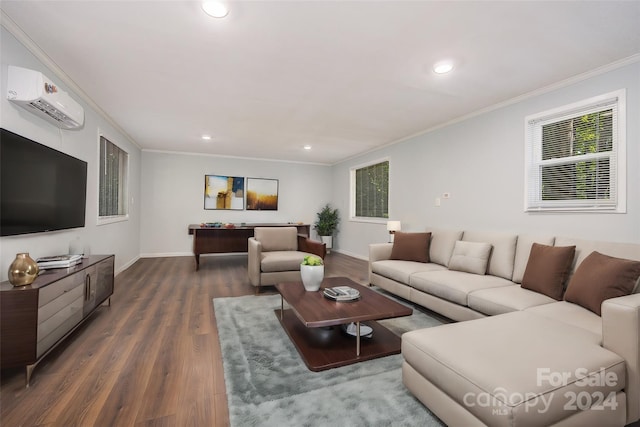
x=314 y=324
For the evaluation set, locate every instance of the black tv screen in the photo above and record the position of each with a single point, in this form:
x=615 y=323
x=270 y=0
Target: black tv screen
x=41 y=189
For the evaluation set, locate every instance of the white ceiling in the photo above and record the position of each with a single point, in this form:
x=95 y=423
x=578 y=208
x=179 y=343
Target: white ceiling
x=343 y=77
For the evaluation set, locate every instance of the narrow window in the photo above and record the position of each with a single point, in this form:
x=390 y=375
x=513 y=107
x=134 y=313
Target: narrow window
x=370 y=191
x=112 y=195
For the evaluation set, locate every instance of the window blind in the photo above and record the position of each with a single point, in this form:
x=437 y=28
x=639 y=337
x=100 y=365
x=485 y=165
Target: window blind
x=573 y=159
x=372 y=191
x=113 y=177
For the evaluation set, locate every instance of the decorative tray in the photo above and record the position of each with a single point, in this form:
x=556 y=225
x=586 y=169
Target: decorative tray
x=341 y=293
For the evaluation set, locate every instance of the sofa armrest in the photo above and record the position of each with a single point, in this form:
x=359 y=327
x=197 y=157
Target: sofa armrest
x=621 y=335
x=379 y=251
x=255 y=257
x=305 y=244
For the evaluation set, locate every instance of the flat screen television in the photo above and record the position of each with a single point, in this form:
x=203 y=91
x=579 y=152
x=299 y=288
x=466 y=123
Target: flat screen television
x=41 y=189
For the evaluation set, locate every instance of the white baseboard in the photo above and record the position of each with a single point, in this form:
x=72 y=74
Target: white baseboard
x=177 y=254
x=165 y=254
x=127 y=265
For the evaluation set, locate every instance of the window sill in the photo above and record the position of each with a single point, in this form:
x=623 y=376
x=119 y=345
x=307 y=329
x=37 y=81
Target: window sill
x=608 y=210
x=369 y=220
x=104 y=220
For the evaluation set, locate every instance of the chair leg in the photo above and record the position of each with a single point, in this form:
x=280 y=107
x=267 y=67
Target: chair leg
x=257 y=290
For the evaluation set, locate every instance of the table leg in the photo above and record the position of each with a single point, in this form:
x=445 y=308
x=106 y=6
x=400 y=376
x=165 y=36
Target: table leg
x=281 y=306
x=358 y=339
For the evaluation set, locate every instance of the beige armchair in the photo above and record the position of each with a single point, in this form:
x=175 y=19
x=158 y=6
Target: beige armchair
x=275 y=254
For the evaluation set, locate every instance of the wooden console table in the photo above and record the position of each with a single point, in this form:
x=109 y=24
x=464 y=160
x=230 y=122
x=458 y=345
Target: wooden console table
x=35 y=318
x=214 y=240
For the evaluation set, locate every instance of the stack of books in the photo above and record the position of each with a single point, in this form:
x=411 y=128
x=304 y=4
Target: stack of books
x=341 y=293
x=58 y=261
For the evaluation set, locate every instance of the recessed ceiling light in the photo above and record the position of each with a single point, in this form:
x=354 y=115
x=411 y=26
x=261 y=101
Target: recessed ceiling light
x=307 y=147
x=443 y=67
x=206 y=137
x=217 y=9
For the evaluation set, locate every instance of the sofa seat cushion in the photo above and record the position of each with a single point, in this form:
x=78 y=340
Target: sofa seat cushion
x=572 y=314
x=281 y=260
x=400 y=270
x=505 y=299
x=454 y=286
x=517 y=369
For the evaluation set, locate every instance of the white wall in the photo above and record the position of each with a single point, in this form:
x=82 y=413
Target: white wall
x=480 y=161
x=121 y=239
x=173 y=196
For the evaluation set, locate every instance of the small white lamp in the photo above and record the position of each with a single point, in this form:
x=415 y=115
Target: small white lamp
x=392 y=227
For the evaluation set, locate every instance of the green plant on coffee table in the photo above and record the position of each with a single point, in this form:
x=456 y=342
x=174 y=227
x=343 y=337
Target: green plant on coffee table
x=311 y=260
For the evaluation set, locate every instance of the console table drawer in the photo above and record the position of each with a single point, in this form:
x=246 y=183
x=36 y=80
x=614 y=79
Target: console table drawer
x=63 y=301
x=59 y=324
x=54 y=290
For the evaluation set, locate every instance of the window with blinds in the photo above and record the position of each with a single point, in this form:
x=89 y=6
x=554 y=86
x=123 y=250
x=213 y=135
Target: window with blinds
x=370 y=191
x=114 y=166
x=575 y=156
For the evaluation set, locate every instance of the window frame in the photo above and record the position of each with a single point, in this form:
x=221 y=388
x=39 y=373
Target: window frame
x=110 y=219
x=533 y=162
x=352 y=193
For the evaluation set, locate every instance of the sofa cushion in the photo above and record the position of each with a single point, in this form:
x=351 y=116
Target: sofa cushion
x=502 y=254
x=523 y=249
x=505 y=299
x=547 y=269
x=277 y=238
x=516 y=369
x=442 y=243
x=411 y=246
x=600 y=277
x=281 y=260
x=400 y=271
x=571 y=314
x=470 y=257
x=454 y=286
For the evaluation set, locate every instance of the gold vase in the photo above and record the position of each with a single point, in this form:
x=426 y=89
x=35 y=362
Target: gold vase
x=23 y=270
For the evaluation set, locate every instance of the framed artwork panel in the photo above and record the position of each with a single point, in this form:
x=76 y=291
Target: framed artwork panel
x=223 y=192
x=262 y=194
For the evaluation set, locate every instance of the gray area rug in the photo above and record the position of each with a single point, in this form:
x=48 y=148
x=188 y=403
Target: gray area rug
x=268 y=384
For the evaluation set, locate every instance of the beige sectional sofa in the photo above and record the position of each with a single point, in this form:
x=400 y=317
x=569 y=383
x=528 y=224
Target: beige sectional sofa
x=517 y=357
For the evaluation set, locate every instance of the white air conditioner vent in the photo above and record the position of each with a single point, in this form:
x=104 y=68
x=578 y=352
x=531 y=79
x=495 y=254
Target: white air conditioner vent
x=36 y=93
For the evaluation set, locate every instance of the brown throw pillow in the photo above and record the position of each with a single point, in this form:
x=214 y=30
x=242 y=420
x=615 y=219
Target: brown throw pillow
x=411 y=246
x=600 y=277
x=547 y=269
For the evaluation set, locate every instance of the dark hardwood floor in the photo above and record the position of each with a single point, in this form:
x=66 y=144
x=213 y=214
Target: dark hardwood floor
x=150 y=359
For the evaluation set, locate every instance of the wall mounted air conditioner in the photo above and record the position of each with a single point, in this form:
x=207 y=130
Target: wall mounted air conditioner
x=36 y=93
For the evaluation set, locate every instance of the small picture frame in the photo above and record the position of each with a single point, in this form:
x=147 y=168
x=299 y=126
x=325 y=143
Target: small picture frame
x=222 y=192
x=262 y=194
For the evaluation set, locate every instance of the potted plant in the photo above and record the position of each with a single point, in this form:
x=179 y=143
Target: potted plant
x=312 y=272
x=327 y=224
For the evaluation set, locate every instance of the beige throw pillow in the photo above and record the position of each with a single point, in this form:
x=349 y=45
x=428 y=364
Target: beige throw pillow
x=470 y=257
